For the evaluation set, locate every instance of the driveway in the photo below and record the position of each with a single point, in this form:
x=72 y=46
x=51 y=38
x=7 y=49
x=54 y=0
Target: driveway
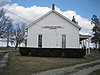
x=4 y=55
x=79 y=69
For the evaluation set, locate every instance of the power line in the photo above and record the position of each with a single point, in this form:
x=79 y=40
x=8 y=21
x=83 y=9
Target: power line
x=27 y=20
x=18 y=16
x=21 y=17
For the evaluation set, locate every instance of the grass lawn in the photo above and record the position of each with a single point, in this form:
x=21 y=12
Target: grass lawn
x=1 y=55
x=7 y=48
x=26 y=65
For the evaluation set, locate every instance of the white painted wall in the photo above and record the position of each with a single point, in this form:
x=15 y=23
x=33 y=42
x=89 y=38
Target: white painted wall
x=52 y=38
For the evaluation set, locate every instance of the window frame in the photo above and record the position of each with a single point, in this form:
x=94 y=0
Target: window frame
x=63 y=40
x=40 y=41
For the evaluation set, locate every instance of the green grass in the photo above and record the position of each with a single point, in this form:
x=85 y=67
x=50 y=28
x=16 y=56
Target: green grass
x=2 y=54
x=26 y=65
x=7 y=48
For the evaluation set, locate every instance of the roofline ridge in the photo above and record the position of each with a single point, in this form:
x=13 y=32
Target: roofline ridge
x=59 y=14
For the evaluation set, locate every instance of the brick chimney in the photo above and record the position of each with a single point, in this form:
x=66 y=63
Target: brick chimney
x=53 y=7
x=73 y=20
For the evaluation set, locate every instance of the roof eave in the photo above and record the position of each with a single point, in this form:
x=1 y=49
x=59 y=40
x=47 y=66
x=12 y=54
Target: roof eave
x=76 y=25
x=43 y=16
x=68 y=20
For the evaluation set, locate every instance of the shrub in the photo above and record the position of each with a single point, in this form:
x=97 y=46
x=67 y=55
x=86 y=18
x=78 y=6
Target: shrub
x=55 y=52
x=24 y=52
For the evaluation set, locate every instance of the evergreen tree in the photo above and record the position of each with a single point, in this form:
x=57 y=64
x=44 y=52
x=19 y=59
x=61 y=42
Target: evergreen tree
x=96 y=30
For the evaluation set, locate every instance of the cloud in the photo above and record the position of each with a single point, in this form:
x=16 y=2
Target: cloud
x=3 y=1
x=83 y=22
x=29 y=13
x=34 y=12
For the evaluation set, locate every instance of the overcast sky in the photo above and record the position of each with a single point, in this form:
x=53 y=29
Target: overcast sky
x=33 y=9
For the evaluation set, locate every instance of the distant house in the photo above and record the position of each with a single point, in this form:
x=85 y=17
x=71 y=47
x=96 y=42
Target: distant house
x=53 y=30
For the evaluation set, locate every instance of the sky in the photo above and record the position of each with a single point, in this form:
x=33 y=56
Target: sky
x=85 y=8
x=33 y=9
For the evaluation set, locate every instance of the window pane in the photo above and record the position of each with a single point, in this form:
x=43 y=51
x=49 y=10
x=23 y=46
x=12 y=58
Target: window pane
x=40 y=41
x=63 y=41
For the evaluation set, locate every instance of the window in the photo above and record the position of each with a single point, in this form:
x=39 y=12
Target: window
x=40 y=41
x=63 y=41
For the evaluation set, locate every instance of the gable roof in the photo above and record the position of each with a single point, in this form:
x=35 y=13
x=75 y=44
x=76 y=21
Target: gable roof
x=53 y=11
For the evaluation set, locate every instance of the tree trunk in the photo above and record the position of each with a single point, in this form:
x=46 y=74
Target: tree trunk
x=16 y=44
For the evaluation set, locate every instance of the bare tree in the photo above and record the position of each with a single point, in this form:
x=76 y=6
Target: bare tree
x=5 y=25
x=20 y=34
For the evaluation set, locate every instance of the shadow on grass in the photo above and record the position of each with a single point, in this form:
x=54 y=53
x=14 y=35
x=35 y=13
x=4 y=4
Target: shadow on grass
x=41 y=56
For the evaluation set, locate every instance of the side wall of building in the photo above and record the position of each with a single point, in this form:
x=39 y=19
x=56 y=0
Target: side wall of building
x=52 y=37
